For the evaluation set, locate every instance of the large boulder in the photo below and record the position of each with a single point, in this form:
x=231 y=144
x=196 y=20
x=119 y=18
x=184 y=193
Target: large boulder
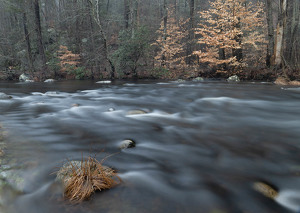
x=233 y=78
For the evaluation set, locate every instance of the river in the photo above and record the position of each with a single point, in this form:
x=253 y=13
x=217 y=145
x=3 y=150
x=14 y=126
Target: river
x=200 y=146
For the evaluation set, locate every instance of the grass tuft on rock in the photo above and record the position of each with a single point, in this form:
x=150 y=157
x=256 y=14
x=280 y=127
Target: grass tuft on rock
x=82 y=179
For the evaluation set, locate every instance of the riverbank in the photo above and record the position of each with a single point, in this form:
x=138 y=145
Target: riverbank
x=269 y=75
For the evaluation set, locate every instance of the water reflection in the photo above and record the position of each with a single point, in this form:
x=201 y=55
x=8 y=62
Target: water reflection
x=200 y=146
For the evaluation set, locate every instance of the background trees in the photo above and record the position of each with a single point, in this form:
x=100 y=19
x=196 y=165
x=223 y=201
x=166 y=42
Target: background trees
x=230 y=31
x=112 y=38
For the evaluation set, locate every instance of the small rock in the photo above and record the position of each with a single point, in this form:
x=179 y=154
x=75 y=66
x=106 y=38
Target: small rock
x=49 y=80
x=265 y=189
x=29 y=81
x=198 y=79
x=127 y=144
x=136 y=112
x=233 y=78
x=75 y=105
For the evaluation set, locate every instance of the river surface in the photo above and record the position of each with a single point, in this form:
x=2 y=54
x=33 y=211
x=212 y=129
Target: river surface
x=200 y=146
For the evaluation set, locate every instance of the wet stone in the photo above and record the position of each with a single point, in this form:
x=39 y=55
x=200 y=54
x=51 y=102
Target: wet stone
x=136 y=112
x=127 y=144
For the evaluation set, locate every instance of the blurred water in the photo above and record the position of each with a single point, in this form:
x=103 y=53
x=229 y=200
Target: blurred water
x=200 y=145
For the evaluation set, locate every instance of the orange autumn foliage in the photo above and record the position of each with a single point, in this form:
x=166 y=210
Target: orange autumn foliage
x=232 y=25
x=67 y=58
x=171 y=52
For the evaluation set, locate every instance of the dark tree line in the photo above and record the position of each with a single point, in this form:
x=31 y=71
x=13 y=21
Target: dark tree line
x=120 y=39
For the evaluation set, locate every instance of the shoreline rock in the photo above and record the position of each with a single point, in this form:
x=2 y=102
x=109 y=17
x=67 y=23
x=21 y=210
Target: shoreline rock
x=233 y=78
x=281 y=81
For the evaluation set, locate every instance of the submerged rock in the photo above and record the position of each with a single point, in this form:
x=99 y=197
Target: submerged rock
x=289 y=199
x=127 y=144
x=4 y=96
x=265 y=189
x=136 y=112
x=75 y=105
x=233 y=78
x=111 y=109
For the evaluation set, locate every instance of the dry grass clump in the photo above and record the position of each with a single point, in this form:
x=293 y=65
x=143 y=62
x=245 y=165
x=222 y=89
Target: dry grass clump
x=84 y=178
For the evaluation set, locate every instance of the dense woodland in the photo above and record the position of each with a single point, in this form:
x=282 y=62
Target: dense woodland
x=166 y=39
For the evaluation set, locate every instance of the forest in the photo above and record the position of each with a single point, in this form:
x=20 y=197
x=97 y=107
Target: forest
x=156 y=39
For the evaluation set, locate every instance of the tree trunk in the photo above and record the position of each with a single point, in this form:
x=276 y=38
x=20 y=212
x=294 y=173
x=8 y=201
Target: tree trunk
x=126 y=13
x=96 y=15
x=238 y=52
x=270 y=47
x=290 y=35
x=40 y=44
x=28 y=44
x=191 y=32
x=164 y=36
x=278 y=48
x=135 y=17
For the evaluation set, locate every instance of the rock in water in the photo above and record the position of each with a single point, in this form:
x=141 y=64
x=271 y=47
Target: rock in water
x=4 y=96
x=136 y=112
x=233 y=78
x=127 y=144
x=265 y=189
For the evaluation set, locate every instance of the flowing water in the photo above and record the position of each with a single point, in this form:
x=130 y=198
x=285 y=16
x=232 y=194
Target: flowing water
x=200 y=146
